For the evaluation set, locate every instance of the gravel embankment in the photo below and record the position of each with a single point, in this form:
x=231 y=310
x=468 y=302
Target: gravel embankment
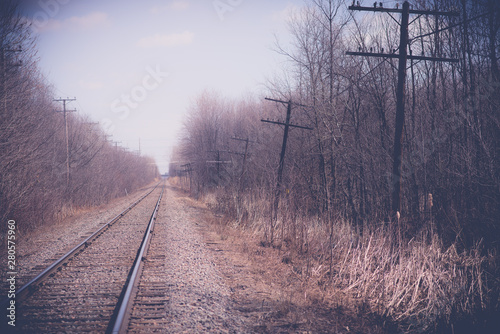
x=81 y=297
x=196 y=297
x=38 y=249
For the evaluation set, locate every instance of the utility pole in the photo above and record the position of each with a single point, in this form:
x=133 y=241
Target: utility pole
x=243 y=167
x=287 y=124
x=3 y=60
x=400 y=92
x=91 y=126
x=64 y=111
x=218 y=163
x=187 y=170
x=244 y=157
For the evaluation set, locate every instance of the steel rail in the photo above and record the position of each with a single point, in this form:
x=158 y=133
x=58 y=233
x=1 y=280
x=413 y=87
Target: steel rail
x=120 y=322
x=31 y=285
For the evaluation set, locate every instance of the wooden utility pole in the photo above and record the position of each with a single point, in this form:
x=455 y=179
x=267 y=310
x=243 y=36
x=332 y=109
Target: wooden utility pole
x=244 y=157
x=287 y=124
x=400 y=110
x=3 y=61
x=243 y=168
x=400 y=93
x=187 y=169
x=218 y=163
x=64 y=111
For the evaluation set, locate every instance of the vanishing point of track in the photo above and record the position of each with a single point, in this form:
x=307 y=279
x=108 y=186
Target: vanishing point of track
x=92 y=288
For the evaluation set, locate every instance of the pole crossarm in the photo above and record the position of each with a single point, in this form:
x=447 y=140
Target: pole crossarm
x=186 y=167
x=67 y=110
x=242 y=139
x=237 y=153
x=287 y=102
x=3 y=58
x=397 y=10
x=215 y=151
x=64 y=104
x=395 y=55
x=66 y=99
x=219 y=162
x=285 y=124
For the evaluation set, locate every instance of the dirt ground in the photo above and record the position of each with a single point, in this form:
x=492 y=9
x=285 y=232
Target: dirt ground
x=269 y=291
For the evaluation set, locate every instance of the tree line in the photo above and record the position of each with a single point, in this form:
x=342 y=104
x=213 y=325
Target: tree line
x=341 y=171
x=452 y=129
x=35 y=187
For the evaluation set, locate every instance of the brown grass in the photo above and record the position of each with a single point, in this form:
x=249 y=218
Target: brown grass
x=272 y=294
x=418 y=284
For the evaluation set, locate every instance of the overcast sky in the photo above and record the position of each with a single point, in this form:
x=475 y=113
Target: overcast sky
x=135 y=66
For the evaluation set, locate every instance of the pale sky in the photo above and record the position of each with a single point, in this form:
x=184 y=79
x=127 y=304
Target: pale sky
x=135 y=66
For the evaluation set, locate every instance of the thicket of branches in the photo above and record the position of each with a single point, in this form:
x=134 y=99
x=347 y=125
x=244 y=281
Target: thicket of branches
x=337 y=177
x=34 y=186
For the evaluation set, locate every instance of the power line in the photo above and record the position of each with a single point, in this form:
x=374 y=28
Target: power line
x=378 y=8
x=393 y=55
x=452 y=26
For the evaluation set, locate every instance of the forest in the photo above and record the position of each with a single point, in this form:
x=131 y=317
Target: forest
x=52 y=163
x=326 y=199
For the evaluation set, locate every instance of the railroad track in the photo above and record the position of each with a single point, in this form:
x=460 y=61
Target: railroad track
x=92 y=287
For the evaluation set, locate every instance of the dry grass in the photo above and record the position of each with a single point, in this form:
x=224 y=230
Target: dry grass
x=177 y=182
x=416 y=284
x=271 y=294
x=419 y=285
